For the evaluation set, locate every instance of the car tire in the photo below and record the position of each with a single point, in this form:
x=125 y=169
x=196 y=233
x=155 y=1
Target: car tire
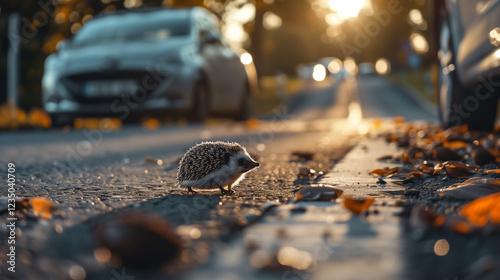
x=246 y=106
x=200 y=109
x=60 y=120
x=457 y=104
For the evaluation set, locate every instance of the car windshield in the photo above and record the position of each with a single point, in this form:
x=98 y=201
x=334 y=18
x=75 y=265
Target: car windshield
x=134 y=27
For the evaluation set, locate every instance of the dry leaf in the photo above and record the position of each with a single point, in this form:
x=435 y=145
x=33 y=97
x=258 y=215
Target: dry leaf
x=319 y=192
x=482 y=156
x=305 y=172
x=358 y=205
x=483 y=211
x=303 y=155
x=472 y=188
x=423 y=217
x=138 y=239
x=443 y=154
x=458 y=169
x=405 y=159
x=454 y=145
x=42 y=207
x=384 y=172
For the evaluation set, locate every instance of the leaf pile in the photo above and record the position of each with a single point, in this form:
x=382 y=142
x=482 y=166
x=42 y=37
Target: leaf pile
x=426 y=151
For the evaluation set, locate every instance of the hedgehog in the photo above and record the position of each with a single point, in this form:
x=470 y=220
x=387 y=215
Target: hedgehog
x=214 y=165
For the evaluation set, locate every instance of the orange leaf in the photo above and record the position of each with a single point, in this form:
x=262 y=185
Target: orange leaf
x=42 y=207
x=483 y=210
x=461 y=227
x=405 y=158
x=358 y=205
x=384 y=172
x=423 y=217
x=455 y=145
x=492 y=171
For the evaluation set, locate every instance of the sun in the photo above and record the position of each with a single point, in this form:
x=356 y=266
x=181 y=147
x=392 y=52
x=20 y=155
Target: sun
x=347 y=9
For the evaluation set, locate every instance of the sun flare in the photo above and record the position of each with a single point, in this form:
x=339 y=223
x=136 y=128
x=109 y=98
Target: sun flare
x=347 y=9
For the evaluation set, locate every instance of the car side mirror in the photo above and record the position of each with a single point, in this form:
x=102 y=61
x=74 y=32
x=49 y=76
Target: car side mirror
x=62 y=45
x=209 y=39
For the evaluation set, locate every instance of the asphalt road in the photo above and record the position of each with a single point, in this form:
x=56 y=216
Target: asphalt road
x=93 y=175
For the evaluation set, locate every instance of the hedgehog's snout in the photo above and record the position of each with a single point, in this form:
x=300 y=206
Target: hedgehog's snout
x=250 y=164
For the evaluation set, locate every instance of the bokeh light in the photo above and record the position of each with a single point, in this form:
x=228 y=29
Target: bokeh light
x=271 y=21
x=419 y=43
x=319 y=73
x=441 y=247
x=246 y=58
x=382 y=66
x=350 y=65
x=335 y=65
x=415 y=16
x=347 y=9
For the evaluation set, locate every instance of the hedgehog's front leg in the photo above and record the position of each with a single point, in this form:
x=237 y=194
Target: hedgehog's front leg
x=190 y=190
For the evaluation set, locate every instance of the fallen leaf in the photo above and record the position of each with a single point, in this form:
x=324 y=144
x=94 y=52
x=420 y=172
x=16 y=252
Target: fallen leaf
x=305 y=172
x=384 y=172
x=472 y=188
x=483 y=211
x=303 y=155
x=358 y=205
x=138 y=239
x=319 y=192
x=405 y=159
x=423 y=217
x=454 y=145
x=151 y=124
x=444 y=154
x=42 y=207
x=458 y=169
x=482 y=156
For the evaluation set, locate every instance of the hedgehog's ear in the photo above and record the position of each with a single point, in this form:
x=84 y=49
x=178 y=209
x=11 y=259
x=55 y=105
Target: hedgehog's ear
x=227 y=157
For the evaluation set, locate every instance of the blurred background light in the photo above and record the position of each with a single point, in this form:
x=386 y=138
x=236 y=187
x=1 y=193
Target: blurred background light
x=347 y=9
x=350 y=65
x=335 y=65
x=382 y=66
x=319 y=73
x=419 y=43
x=246 y=58
x=415 y=16
x=271 y=21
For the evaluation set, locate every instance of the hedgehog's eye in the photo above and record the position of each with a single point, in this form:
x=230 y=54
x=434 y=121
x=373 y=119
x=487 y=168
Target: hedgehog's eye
x=241 y=161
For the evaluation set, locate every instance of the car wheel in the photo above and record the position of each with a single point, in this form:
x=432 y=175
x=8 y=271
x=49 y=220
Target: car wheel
x=61 y=120
x=199 y=110
x=246 y=107
x=457 y=104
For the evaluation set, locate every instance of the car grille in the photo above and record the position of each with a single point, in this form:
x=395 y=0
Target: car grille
x=75 y=84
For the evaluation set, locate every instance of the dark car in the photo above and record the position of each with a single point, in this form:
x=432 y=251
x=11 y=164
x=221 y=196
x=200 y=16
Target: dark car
x=151 y=61
x=466 y=41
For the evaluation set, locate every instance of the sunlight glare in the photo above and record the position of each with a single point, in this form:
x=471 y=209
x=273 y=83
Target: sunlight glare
x=246 y=58
x=347 y=9
x=319 y=73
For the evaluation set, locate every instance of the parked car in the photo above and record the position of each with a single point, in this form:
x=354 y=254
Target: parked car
x=466 y=37
x=148 y=61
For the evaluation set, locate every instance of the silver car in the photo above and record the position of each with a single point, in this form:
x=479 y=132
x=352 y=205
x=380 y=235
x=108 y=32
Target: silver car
x=466 y=41
x=148 y=61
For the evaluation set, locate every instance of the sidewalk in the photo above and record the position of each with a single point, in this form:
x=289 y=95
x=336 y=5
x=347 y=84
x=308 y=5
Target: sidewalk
x=322 y=240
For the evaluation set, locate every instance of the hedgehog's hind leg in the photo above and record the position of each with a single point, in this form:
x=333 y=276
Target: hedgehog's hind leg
x=190 y=191
x=228 y=191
